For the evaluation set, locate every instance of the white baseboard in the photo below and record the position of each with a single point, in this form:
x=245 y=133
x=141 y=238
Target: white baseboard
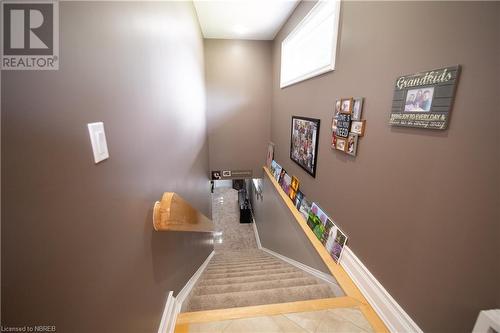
x=312 y=271
x=168 y=316
x=393 y=315
x=181 y=296
x=323 y=276
x=257 y=238
x=487 y=321
x=173 y=304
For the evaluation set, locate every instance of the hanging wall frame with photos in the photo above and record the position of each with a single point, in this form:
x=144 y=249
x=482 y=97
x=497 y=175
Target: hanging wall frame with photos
x=425 y=99
x=347 y=125
x=304 y=139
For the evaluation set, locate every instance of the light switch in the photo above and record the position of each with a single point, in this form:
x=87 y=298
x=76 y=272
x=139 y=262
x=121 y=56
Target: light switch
x=98 y=141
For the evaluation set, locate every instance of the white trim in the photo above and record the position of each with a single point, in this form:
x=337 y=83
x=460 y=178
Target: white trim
x=168 y=315
x=173 y=304
x=316 y=10
x=312 y=271
x=393 y=315
x=487 y=321
x=257 y=238
x=181 y=296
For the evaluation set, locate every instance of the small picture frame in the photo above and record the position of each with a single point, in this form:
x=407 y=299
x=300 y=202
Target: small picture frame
x=341 y=144
x=346 y=105
x=358 y=127
x=352 y=144
x=334 y=124
x=334 y=141
x=357 y=108
x=338 y=104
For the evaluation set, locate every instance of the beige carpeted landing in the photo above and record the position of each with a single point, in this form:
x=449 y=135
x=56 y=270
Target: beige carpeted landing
x=252 y=277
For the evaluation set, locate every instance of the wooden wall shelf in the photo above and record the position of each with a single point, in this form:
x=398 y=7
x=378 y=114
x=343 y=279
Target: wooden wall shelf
x=173 y=213
x=337 y=270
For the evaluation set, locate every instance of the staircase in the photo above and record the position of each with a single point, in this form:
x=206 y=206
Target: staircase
x=253 y=277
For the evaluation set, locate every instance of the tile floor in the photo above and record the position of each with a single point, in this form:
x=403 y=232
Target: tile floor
x=341 y=320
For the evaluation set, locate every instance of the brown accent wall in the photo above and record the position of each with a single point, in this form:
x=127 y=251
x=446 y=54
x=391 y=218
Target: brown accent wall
x=78 y=247
x=498 y=141
x=421 y=207
x=278 y=229
x=239 y=92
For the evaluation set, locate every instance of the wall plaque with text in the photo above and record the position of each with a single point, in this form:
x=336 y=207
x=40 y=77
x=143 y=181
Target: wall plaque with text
x=231 y=174
x=343 y=125
x=425 y=99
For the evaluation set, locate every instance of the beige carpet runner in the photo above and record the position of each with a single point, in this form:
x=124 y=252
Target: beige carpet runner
x=252 y=277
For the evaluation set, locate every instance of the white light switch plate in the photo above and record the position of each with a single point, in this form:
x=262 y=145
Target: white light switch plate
x=98 y=140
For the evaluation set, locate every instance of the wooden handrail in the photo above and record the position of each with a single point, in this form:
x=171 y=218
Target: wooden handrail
x=176 y=214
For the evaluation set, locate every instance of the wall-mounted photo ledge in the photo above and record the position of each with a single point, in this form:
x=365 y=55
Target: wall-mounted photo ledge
x=352 y=292
x=173 y=213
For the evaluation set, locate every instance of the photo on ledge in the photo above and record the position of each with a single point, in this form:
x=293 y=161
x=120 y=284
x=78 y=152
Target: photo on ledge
x=277 y=171
x=295 y=183
x=281 y=177
x=298 y=199
x=335 y=243
x=286 y=180
x=305 y=208
x=273 y=166
x=270 y=154
x=316 y=219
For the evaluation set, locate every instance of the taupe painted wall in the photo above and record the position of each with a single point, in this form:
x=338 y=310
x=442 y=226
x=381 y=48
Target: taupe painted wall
x=421 y=207
x=79 y=251
x=239 y=91
x=498 y=115
x=278 y=228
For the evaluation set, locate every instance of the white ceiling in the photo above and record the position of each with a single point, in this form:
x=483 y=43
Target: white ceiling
x=243 y=19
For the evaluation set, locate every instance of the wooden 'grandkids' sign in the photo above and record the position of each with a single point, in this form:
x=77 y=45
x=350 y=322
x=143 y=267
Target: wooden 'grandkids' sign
x=425 y=99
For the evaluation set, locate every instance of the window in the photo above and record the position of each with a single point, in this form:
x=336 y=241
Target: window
x=309 y=50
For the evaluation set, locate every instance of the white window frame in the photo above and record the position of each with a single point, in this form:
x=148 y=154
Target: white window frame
x=321 y=70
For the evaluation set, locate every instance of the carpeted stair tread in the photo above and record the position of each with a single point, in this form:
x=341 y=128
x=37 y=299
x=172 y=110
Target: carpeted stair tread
x=265 y=271
x=241 y=262
x=253 y=278
x=240 y=255
x=258 y=285
x=244 y=268
x=258 y=297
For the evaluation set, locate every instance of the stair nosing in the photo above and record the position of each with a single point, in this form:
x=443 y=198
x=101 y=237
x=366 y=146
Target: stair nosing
x=310 y=282
x=271 y=276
